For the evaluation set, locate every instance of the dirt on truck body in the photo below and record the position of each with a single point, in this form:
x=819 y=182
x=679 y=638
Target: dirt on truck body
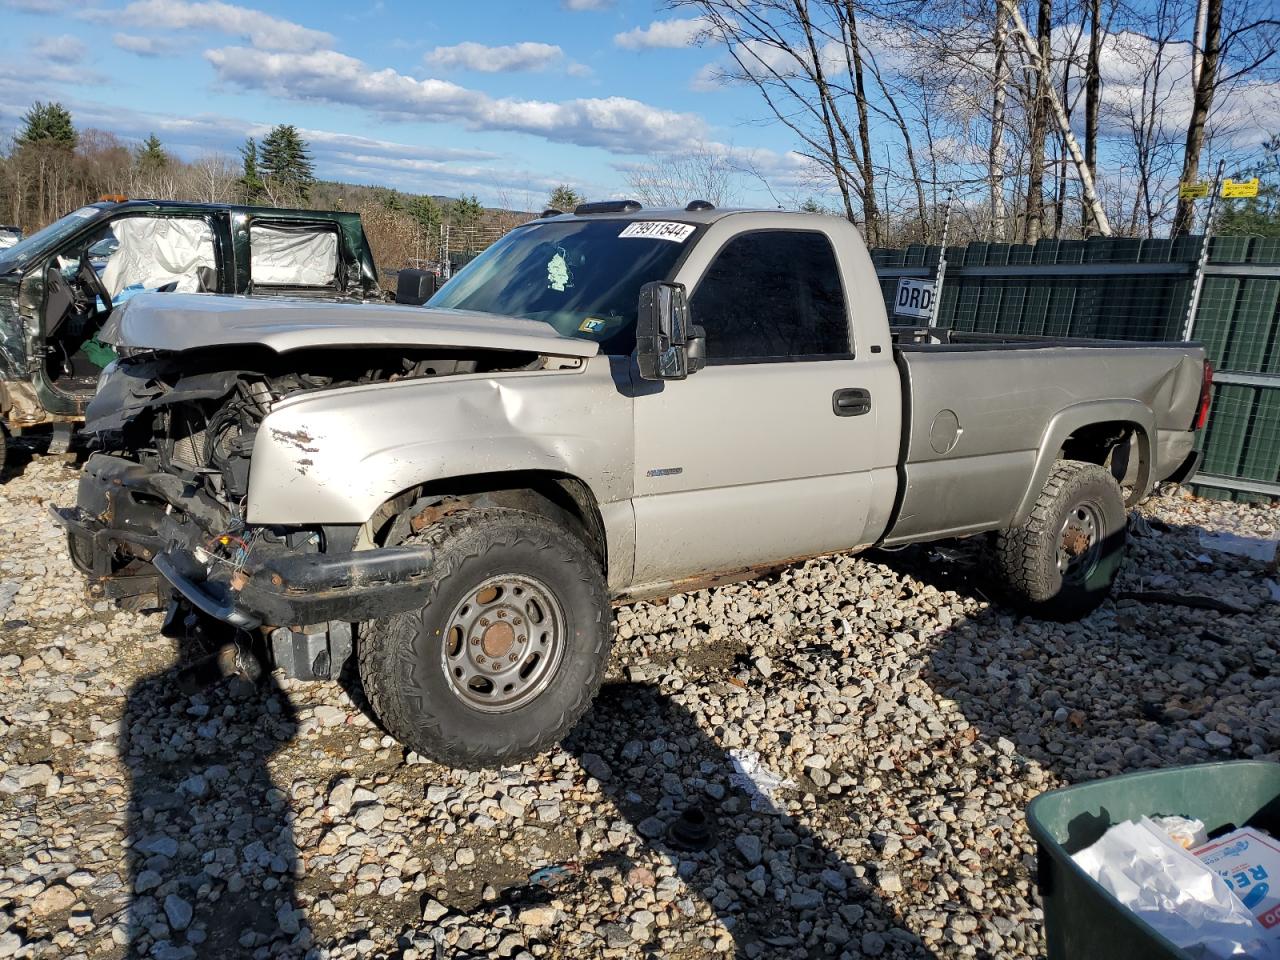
x=603 y=405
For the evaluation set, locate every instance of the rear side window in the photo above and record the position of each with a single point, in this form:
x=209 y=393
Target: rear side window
x=293 y=254
x=773 y=294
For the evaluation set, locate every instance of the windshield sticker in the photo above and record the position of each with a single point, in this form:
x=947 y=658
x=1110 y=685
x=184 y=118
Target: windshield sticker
x=85 y=212
x=659 y=230
x=558 y=276
x=591 y=325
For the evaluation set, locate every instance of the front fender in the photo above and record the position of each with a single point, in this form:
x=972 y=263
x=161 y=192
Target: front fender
x=335 y=456
x=1067 y=421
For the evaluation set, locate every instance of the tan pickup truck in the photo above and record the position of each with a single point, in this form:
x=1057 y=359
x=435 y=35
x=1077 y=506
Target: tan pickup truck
x=604 y=405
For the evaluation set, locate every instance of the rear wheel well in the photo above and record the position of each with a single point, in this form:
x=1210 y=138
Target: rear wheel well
x=1109 y=444
x=564 y=499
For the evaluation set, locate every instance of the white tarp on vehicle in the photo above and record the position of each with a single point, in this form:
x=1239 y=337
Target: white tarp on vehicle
x=155 y=251
x=300 y=256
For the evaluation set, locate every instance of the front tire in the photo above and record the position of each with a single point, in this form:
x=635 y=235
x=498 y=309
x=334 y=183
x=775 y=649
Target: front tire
x=1060 y=564
x=508 y=649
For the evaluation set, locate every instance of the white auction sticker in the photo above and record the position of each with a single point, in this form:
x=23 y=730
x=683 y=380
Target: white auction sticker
x=659 y=230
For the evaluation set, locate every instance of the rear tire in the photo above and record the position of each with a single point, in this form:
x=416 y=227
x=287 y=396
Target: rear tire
x=4 y=450
x=508 y=649
x=1060 y=564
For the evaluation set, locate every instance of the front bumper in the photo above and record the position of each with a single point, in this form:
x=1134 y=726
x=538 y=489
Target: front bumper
x=137 y=531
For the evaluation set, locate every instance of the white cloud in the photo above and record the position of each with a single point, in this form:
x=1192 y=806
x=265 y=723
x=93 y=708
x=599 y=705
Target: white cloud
x=505 y=59
x=63 y=48
x=147 y=46
x=586 y=4
x=614 y=123
x=349 y=157
x=262 y=30
x=663 y=33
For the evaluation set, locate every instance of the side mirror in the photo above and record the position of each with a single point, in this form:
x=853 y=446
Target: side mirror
x=668 y=345
x=415 y=287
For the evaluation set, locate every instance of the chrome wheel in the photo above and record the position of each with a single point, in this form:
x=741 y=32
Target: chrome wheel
x=503 y=643
x=1080 y=543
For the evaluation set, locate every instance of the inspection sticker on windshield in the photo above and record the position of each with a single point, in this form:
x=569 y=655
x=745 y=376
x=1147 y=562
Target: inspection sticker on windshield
x=659 y=230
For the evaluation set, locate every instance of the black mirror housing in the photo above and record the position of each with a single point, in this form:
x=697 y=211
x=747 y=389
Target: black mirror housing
x=663 y=332
x=415 y=287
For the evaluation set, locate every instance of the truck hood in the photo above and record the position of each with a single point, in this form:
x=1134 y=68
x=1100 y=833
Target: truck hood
x=178 y=321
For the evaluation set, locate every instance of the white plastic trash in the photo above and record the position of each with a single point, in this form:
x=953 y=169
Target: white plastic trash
x=1174 y=893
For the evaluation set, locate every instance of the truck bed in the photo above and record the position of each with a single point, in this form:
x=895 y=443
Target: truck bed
x=985 y=415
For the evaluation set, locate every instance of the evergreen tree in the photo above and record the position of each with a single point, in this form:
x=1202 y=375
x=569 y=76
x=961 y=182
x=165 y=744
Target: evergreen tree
x=285 y=162
x=565 y=198
x=1257 y=216
x=425 y=213
x=250 y=181
x=48 y=123
x=464 y=218
x=150 y=156
x=466 y=212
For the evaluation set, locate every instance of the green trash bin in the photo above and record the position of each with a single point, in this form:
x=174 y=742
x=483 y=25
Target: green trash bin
x=1081 y=920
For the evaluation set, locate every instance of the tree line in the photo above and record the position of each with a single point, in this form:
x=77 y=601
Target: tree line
x=51 y=167
x=1007 y=105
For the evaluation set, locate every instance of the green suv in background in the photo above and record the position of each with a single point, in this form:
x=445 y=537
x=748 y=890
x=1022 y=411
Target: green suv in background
x=59 y=286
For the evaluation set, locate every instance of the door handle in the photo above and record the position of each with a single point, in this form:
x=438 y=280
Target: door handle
x=851 y=402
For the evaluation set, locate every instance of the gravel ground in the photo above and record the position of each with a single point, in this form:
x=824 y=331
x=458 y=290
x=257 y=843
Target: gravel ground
x=147 y=809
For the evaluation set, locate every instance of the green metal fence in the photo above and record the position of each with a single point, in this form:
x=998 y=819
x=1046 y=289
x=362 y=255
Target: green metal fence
x=1133 y=289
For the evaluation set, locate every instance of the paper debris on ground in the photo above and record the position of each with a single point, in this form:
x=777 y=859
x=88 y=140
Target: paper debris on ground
x=1262 y=549
x=755 y=779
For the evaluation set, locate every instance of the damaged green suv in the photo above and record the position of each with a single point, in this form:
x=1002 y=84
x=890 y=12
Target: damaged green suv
x=59 y=286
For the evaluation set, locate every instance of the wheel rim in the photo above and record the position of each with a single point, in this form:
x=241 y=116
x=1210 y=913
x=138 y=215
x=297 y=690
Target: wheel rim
x=1080 y=543
x=503 y=643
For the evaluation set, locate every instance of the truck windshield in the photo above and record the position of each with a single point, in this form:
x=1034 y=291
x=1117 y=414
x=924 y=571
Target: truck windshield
x=581 y=276
x=50 y=236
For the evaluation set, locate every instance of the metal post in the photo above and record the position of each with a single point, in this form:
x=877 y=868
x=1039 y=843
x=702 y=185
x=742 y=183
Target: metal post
x=942 y=265
x=1188 y=327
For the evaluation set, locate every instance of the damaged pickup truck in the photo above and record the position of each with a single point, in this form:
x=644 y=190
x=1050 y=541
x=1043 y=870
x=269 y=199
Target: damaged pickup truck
x=611 y=404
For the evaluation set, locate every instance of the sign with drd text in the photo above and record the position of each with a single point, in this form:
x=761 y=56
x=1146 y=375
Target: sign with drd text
x=914 y=299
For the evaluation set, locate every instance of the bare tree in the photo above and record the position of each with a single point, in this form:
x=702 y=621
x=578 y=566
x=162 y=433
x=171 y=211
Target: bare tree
x=211 y=177
x=704 y=172
x=996 y=151
x=1092 y=98
x=1230 y=50
x=805 y=57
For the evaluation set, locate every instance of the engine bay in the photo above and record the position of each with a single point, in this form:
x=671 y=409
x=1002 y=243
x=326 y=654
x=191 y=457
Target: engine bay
x=196 y=414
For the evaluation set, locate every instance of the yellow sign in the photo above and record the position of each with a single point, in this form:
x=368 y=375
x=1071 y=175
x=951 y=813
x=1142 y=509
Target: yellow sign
x=1192 y=191
x=1243 y=188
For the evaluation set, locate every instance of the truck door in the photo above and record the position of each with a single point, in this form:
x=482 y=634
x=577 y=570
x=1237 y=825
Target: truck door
x=785 y=445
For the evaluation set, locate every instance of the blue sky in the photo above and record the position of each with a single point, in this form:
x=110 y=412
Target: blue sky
x=504 y=99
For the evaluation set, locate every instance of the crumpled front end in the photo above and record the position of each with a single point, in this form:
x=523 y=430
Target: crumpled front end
x=138 y=532
x=164 y=505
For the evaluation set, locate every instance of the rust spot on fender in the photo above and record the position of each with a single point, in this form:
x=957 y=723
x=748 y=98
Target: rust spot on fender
x=295 y=438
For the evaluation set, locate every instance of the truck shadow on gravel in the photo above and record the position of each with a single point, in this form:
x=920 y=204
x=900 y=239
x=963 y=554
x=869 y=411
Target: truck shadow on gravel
x=672 y=782
x=1135 y=685
x=197 y=738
